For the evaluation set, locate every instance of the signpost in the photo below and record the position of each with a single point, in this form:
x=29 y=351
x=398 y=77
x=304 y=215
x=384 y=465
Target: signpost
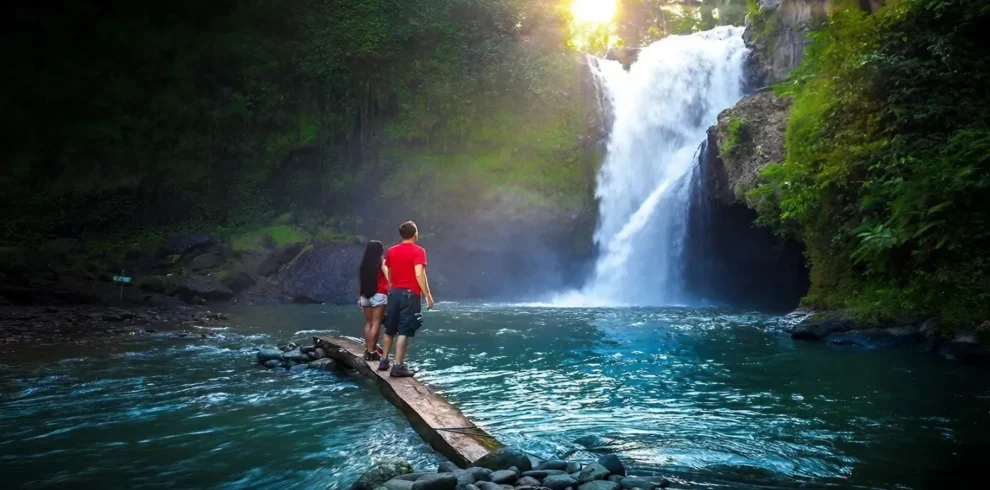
x=122 y=279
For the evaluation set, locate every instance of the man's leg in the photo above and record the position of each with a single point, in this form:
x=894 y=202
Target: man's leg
x=387 y=346
x=400 y=349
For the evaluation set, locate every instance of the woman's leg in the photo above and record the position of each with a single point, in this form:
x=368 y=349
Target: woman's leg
x=377 y=313
x=369 y=341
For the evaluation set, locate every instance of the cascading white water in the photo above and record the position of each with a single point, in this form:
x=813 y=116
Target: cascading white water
x=660 y=109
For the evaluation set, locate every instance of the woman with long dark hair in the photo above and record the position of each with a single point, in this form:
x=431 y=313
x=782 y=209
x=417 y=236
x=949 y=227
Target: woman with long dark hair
x=373 y=277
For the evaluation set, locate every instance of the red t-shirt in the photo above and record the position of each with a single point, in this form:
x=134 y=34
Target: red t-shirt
x=402 y=260
x=382 y=282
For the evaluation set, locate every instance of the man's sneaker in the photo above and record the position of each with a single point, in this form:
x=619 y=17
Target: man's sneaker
x=372 y=356
x=383 y=365
x=401 y=371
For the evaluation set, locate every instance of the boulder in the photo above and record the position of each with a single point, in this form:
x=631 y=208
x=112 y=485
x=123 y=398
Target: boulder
x=447 y=467
x=398 y=484
x=592 y=472
x=553 y=464
x=480 y=474
x=320 y=353
x=504 y=477
x=323 y=274
x=615 y=478
x=630 y=483
x=410 y=476
x=299 y=368
x=436 y=481
x=528 y=481
x=296 y=356
x=323 y=365
x=573 y=467
x=306 y=349
x=559 y=482
x=612 y=464
x=485 y=485
x=599 y=485
x=380 y=473
x=206 y=261
x=541 y=474
x=625 y=55
x=265 y=355
x=203 y=287
x=504 y=458
x=272 y=363
x=464 y=478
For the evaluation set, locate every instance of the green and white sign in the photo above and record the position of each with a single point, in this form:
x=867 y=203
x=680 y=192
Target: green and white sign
x=121 y=279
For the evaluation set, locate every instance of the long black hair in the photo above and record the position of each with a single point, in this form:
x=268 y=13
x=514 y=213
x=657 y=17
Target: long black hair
x=370 y=265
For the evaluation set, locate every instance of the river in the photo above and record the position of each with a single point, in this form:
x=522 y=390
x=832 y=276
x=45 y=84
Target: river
x=708 y=396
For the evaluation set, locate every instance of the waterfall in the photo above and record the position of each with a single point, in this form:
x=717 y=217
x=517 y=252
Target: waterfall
x=659 y=110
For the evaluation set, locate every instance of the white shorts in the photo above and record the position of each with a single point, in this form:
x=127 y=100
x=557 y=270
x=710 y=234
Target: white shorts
x=375 y=301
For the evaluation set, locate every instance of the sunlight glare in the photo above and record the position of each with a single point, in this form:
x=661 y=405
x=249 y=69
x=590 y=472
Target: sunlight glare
x=593 y=11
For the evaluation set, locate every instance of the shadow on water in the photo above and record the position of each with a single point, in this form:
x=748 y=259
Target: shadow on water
x=703 y=395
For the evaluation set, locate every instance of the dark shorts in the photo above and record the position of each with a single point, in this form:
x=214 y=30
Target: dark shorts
x=403 y=315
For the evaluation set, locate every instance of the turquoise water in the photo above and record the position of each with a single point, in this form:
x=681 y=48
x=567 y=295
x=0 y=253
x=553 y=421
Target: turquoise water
x=705 y=396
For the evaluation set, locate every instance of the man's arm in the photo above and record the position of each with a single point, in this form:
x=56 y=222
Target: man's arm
x=424 y=284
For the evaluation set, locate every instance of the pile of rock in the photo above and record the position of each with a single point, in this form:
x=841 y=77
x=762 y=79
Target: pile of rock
x=508 y=469
x=290 y=357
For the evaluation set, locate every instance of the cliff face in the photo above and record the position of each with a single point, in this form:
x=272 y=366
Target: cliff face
x=778 y=36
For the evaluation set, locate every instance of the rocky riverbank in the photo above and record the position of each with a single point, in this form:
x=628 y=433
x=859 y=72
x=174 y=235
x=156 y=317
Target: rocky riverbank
x=966 y=345
x=37 y=325
x=509 y=469
x=294 y=358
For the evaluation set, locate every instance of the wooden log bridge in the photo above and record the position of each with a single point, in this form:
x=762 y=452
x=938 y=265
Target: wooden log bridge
x=439 y=423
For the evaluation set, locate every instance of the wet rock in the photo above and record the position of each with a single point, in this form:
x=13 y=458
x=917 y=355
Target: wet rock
x=323 y=274
x=553 y=464
x=821 y=325
x=878 y=338
x=273 y=363
x=480 y=474
x=447 y=467
x=299 y=368
x=471 y=487
x=322 y=364
x=572 y=467
x=281 y=370
x=380 y=473
x=296 y=356
x=592 y=472
x=505 y=476
x=265 y=355
x=485 y=485
x=541 y=474
x=612 y=464
x=504 y=458
x=464 y=478
x=398 y=484
x=615 y=478
x=436 y=481
x=410 y=476
x=559 y=482
x=630 y=483
x=528 y=481
x=599 y=485
x=306 y=349
x=320 y=353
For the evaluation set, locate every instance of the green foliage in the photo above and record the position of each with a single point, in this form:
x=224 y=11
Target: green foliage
x=887 y=171
x=737 y=129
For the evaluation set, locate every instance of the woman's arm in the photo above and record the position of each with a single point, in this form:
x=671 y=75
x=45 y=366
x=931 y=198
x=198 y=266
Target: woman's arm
x=387 y=276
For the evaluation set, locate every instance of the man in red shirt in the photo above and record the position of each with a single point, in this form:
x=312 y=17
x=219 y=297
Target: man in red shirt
x=406 y=264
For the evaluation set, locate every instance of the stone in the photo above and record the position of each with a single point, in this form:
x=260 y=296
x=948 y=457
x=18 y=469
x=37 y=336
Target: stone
x=296 y=356
x=504 y=458
x=559 y=482
x=527 y=481
x=206 y=261
x=471 y=487
x=573 y=467
x=380 y=473
x=273 y=363
x=504 y=476
x=323 y=365
x=612 y=464
x=299 y=368
x=306 y=349
x=320 y=353
x=592 y=472
x=541 y=474
x=480 y=474
x=487 y=485
x=447 y=467
x=323 y=273
x=615 y=478
x=436 y=481
x=464 y=478
x=553 y=464
x=265 y=355
x=397 y=484
x=410 y=476
x=599 y=485
x=630 y=483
